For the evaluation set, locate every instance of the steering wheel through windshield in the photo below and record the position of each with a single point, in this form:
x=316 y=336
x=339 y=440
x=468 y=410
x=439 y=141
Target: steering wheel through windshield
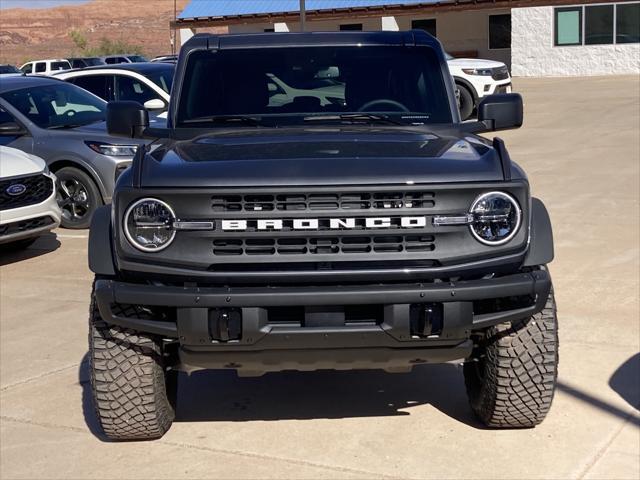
x=367 y=107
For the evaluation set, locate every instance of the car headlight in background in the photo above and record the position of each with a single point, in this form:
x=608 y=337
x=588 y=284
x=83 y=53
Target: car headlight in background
x=112 y=150
x=485 y=72
x=148 y=225
x=496 y=218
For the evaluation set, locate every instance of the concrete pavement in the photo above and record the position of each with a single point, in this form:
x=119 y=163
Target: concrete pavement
x=581 y=148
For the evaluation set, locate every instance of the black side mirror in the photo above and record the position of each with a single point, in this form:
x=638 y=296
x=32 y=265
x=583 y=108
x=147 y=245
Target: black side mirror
x=501 y=111
x=11 y=129
x=127 y=119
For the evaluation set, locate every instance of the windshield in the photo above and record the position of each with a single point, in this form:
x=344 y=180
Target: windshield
x=57 y=106
x=163 y=78
x=8 y=69
x=291 y=84
x=137 y=58
x=92 y=62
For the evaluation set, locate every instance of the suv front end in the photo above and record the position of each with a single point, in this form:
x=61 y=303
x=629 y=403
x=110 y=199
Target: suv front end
x=334 y=238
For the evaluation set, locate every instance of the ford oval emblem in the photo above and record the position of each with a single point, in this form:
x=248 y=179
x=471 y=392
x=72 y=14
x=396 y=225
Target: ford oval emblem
x=16 y=189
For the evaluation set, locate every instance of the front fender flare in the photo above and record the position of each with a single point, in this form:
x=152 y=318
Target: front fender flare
x=100 y=247
x=540 y=237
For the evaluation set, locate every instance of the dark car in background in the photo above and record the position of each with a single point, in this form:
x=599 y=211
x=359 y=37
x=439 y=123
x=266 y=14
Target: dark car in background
x=123 y=58
x=6 y=69
x=64 y=125
x=84 y=62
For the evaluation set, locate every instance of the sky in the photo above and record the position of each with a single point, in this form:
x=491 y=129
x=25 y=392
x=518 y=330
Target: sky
x=38 y=3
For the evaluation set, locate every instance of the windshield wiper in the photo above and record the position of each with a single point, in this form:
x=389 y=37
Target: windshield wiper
x=66 y=126
x=354 y=118
x=255 y=121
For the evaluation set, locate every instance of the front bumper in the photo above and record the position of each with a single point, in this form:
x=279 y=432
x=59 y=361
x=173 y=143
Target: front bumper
x=269 y=346
x=30 y=221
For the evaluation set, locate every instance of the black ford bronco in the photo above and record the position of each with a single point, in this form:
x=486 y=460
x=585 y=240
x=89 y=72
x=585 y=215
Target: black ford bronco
x=314 y=202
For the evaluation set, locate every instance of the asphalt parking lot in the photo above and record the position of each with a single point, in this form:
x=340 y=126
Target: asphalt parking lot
x=581 y=148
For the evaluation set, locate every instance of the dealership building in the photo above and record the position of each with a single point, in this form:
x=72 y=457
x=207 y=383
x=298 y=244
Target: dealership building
x=533 y=37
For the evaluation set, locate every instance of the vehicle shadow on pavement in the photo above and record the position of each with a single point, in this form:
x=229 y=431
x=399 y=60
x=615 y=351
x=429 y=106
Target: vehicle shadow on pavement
x=625 y=381
x=47 y=243
x=211 y=396
x=208 y=396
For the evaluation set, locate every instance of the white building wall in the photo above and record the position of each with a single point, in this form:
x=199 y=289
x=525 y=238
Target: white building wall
x=533 y=53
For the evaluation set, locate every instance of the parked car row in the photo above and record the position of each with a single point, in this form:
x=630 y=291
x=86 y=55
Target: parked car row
x=49 y=66
x=64 y=124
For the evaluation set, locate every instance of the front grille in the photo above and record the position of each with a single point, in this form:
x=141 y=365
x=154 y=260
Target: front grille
x=313 y=245
x=24 y=225
x=36 y=189
x=502 y=88
x=318 y=202
x=500 y=73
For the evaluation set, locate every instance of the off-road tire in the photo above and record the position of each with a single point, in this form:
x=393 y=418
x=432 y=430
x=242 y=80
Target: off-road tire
x=513 y=378
x=467 y=104
x=128 y=381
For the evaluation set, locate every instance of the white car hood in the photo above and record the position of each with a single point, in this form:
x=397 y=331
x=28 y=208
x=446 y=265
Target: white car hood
x=474 y=63
x=15 y=162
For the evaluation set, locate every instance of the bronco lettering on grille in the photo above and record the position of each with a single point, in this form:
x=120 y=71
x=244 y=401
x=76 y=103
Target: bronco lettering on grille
x=324 y=223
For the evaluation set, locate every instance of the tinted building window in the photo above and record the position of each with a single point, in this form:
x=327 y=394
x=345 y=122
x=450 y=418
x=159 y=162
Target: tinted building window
x=628 y=23
x=598 y=24
x=499 y=31
x=428 y=25
x=568 y=26
x=351 y=26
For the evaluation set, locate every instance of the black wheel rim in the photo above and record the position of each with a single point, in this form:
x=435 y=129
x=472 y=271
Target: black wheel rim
x=73 y=199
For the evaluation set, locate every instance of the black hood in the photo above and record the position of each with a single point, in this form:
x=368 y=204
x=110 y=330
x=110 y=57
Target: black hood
x=322 y=156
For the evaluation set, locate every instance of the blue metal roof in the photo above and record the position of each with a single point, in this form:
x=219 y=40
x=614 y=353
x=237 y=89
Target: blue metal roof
x=223 y=8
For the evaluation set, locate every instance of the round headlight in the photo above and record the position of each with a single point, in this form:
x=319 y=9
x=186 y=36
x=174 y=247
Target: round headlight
x=148 y=225
x=496 y=218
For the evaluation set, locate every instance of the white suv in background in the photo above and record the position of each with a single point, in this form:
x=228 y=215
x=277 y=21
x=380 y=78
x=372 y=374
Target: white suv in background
x=28 y=206
x=477 y=78
x=46 y=67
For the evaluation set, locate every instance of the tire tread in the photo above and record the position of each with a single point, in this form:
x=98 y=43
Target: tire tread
x=128 y=381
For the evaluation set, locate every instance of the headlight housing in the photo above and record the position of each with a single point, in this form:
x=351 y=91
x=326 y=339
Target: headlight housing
x=112 y=150
x=485 y=72
x=495 y=218
x=148 y=225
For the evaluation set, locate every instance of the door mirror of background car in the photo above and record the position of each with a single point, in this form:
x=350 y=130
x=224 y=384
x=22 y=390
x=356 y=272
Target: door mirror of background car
x=11 y=129
x=500 y=111
x=155 y=104
x=127 y=119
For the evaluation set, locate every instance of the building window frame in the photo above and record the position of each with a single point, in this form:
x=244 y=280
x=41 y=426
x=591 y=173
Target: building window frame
x=489 y=31
x=581 y=8
x=435 y=24
x=575 y=8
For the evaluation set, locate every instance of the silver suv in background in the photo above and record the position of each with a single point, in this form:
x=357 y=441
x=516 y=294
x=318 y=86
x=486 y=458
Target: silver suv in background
x=64 y=125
